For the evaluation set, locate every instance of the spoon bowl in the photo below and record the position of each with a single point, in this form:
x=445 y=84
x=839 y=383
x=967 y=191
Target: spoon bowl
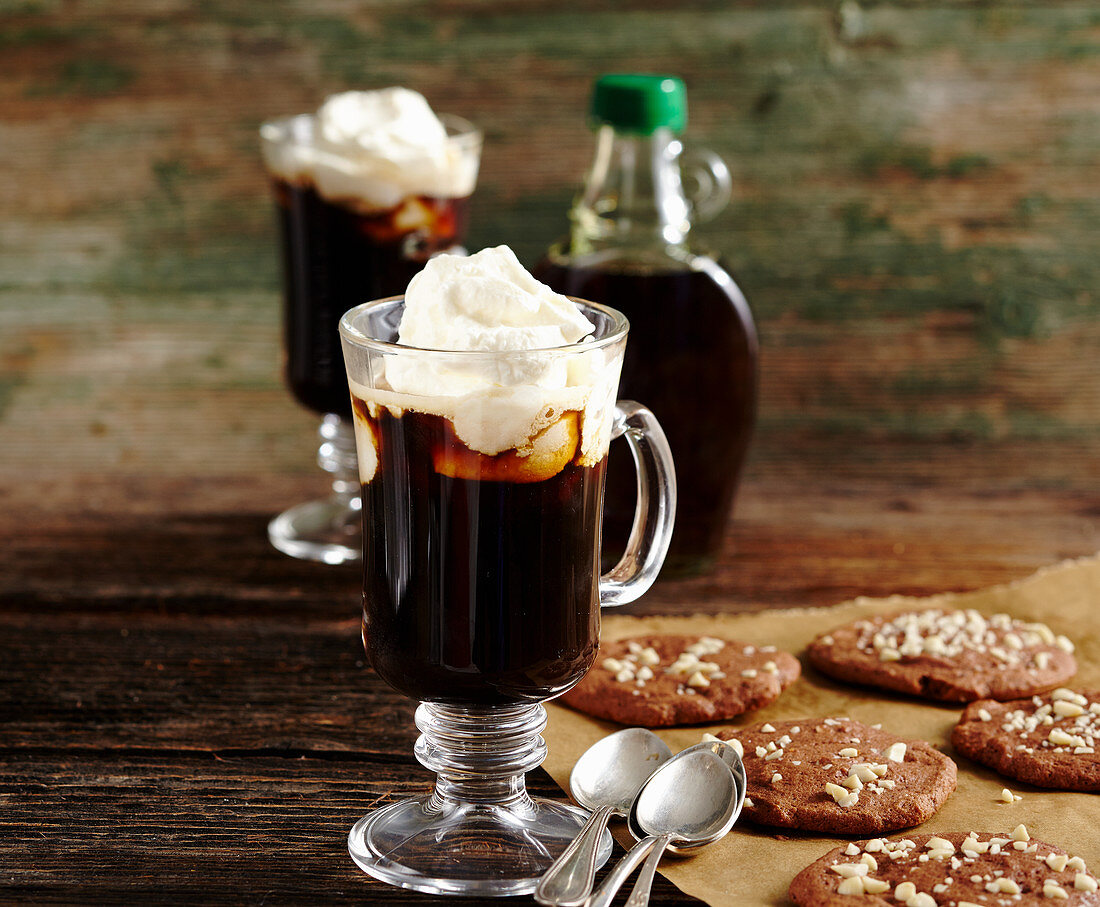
x=613 y=769
x=641 y=826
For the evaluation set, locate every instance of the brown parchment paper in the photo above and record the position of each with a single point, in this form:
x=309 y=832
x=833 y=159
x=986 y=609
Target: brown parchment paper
x=753 y=865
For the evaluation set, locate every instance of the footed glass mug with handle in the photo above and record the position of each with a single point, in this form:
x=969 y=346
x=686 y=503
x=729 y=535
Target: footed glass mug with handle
x=482 y=476
x=367 y=190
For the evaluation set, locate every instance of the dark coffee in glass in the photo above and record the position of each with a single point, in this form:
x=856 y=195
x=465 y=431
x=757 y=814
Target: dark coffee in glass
x=507 y=608
x=334 y=257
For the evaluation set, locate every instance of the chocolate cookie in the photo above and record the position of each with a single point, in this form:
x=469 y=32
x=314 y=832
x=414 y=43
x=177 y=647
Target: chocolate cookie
x=1048 y=741
x=951 y=870
x=839 y=776
x=953 y=656
x=658 y=681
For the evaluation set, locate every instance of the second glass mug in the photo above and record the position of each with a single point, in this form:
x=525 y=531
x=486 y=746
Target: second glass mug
x=482 y=591
x=337 y=250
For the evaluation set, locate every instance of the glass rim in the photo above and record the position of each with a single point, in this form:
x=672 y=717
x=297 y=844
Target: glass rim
x=619 y=328
x=460 y=131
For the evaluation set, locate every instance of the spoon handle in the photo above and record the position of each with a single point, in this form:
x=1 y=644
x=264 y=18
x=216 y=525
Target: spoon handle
x=605 y=894
x=568 y=881
x=639 y=896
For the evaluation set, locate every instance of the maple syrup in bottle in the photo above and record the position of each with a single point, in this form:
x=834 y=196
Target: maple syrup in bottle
x=692 y=355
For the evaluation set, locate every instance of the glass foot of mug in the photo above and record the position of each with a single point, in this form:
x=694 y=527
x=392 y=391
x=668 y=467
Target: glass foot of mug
x=328 y=530
x=479 y=832
x=443 y=847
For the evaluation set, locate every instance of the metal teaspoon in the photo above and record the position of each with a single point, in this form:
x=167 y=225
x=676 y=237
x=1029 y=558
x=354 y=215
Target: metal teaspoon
x=639 y=896
x=606 y=779
x=691 y=801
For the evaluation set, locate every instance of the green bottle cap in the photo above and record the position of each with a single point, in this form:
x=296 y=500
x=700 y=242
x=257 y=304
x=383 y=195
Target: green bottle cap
x=640 y=102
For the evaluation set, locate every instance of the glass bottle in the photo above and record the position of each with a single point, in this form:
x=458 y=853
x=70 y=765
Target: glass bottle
x=693 y=348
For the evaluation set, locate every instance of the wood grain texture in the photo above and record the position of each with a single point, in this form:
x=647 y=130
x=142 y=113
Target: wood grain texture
x=184 y=713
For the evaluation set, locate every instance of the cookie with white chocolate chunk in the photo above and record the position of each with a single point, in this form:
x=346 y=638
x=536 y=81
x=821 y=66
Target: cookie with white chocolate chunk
x=1049 y=740
x=663 y=680
x=949 y=870
x=951 y=656
x=840 y=776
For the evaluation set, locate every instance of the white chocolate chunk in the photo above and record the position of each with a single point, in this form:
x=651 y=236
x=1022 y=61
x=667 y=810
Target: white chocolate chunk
x=1083 y=882
x=864 y=772
x=847 y=870
x=1058 y=737
x=895 y=752
x=1065 y=709
x=1057 y=861
x=1052 y=889
x=851 y=885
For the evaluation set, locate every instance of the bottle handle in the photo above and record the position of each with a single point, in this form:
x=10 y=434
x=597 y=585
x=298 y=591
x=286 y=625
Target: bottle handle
x=707 y=182
x=655 y=512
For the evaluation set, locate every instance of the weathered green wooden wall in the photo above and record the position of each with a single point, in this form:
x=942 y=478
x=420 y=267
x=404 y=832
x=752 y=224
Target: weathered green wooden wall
x=916 y=216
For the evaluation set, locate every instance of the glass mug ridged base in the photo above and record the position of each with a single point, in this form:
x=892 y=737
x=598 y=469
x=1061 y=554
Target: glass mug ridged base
x=482 y=593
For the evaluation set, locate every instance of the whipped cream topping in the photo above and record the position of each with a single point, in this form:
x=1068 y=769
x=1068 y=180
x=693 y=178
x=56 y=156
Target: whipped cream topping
x=374 y=149
x=487 y=301
x=519 y=362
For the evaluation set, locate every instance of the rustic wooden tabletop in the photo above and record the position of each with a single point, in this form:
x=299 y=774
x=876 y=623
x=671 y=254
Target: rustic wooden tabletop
x=185 y=714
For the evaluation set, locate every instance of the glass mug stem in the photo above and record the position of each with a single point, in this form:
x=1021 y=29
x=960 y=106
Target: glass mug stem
x=327 y=529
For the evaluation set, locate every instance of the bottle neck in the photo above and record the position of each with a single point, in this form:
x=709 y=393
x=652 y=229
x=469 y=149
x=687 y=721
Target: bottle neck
x=633 y=196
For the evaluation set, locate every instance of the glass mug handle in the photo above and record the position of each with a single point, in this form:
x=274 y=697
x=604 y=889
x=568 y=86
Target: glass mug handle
x=655 y=513
x=708 y=182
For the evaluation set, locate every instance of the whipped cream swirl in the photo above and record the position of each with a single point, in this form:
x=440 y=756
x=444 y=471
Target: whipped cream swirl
x=373 y=149
x=519 y=362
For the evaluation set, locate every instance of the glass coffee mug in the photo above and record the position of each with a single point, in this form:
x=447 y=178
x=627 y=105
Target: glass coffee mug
x=482 y=591
x=339 y=248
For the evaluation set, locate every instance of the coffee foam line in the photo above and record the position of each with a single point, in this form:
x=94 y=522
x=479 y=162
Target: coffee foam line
x=595 y=423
